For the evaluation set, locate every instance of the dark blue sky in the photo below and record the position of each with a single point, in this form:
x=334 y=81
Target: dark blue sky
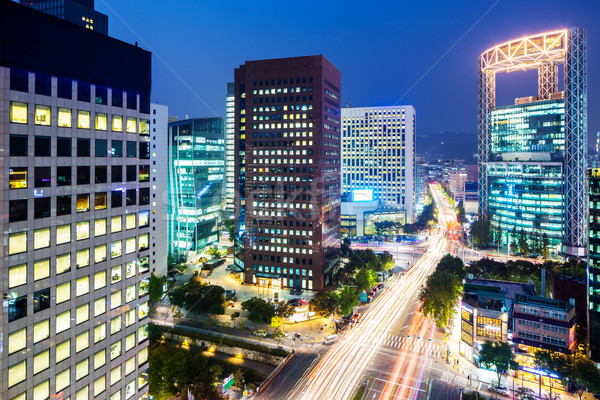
x=381 y=49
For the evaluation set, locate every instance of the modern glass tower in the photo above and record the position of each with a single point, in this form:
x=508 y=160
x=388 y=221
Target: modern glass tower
x=196 y=170
x=532 y=156
x=593 y=322
x=80 y=12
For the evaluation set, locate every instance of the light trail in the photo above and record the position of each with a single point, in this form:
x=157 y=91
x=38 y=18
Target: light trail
x=342 y=369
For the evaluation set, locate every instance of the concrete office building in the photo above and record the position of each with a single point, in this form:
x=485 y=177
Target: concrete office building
x=158 y=191
x=229 y=186
x=196 y=172
x=378 y=153
x=287 y=171
x=80 y=12
x=532 y=155
x=76 y=211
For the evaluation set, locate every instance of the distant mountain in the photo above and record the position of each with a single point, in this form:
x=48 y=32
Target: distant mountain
x=447 y=145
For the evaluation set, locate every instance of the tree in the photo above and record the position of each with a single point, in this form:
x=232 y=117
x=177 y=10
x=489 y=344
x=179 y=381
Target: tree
x=452 y=265
x=348 y=299
x=229 y=225
x=238 y=377
x=259 y=310
x=523 y=242
x=345 y=249
x=276 y=322
x=545 y=250
x=514 y=240
x=284 y=309
x=584 y=375
x=234 y=316
x=198 y=297
x=325 y=303
x=439 y=295
x=460 y=213
x=156 y=287
x=365 y=279
x=213 y=252
x=498 y=355
x=481 y=234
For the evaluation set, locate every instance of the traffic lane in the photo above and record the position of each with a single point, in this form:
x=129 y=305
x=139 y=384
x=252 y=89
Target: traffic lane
x=438 y=390
x=282 y=386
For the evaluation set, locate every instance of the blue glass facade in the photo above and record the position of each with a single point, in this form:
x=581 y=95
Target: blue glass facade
x=196 y=171
x=594 y=266
x=526 y=176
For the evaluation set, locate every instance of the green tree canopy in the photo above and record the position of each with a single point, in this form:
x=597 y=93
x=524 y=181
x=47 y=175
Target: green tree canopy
x=325 y=303
x=365 y=279
x=348 y=298
x=498 y=355
x=197 y=297
x=481 y=232
x=439 y=295
x=156 y=287
x=259 y=310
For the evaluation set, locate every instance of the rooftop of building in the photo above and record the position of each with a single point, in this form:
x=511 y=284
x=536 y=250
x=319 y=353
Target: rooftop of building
x=543 y=302
x=494 y=295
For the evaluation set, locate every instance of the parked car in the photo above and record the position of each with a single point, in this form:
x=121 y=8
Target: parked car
x=499 y=389
x=379 y=285
x=293 y=291
x=260 y=332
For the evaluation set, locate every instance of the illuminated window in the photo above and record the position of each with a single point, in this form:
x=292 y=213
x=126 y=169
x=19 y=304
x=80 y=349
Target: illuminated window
x=144 y=241
x=63 y=350
x=22 y=396
x=41 y=331
x=100 y=253
x=82 y=341
x=130 y=269
x=130 y=245
x=63 y=234
x=99 y=385
x=99 y=280
x=99 y=306
x=17 y=178
x=18 y=112
x=144 y=287
x=143 y=356
x=115 y=375
x=42 y=391
x=144 y=219
x=64 y=117
x=115 y=325
x=129 y=293
x=83 y=202
x=83 y=286
x=17 y=243
x=17 y=275
x=115 y=299
x=115 y=350
x=83 y=258
x=63 y=379
x=144 y=264
x=131 y=125
x=144 y=127
x=63 y=292
x=82 y=314
x=83 y=230
x=130 y=318
x=115 y=274
x=41 y=269
x=130 y=342
x=130 y=221
x=117 y=123
x=41 y=361
x=115 y=249
x=101 y=122
x=143 y=310
x=83 y=119
x=99 y=332
x=42 y=115
x=100 y=227
x=82 y=394
x=82 y=369
x=142 y=334
x=17 y=341
x=116 y=224
x=41 y=238
x=63 y=263
x=130 y=366
x=63 y=321
x=99 y=359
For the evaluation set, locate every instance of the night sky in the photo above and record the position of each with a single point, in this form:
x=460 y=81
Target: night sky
x=382 y=50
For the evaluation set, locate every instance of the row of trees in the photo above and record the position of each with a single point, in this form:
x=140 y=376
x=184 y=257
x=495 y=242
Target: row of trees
x=442 y=289
x=198 y=296
x=427 y=218
x=483 y=235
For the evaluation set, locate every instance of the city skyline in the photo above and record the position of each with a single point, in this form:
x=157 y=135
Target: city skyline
x=428 y=26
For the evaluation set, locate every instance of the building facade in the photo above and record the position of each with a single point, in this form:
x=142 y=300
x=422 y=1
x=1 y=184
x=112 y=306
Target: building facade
x=287 y=171
x=378 y=153
x=532 y=155
x=76 y=211
x=80 y=12
x=593 y=283
x=229 y=186
x=196 y=172
x=158 y=191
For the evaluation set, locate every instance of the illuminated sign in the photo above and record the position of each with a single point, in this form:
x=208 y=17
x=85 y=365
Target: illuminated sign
x=362 y=195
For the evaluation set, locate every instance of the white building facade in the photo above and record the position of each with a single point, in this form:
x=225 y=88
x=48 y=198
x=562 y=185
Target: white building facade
x=159 y=215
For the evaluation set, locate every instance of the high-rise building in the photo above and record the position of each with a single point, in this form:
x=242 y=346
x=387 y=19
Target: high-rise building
x=76 y=211
x=80 y=12
x=287 y=171
x=229 y=185
x=593 y=297
x=378 y=153
x=196 y=170
x=159 y=132
x=532 y=155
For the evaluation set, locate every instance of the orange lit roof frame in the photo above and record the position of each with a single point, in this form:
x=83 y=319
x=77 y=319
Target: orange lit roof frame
x=526 y=53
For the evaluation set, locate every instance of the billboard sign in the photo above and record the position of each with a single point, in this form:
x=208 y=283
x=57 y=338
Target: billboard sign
x=362 y=195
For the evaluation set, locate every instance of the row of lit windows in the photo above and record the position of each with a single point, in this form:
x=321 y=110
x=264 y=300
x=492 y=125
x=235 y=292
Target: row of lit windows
x=281 y=249
x=284 y=125
x=297 y=107
x=271 y=91
x=42 y=116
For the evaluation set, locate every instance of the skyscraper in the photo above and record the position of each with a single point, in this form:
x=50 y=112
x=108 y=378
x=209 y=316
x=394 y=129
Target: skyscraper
x=287 y=171
x=76 y=210
x=196 y=158
x=229 y=185
x=80 y=12
x=532 y=155
x=593 y=297
x=159 y=132
x=378 y=153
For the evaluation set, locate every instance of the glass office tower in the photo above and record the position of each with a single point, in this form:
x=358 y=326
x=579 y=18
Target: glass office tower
x=593 y=331
x=196 y=170
x=526 y=177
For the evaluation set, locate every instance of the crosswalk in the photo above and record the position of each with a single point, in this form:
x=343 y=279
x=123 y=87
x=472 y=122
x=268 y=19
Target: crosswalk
x=414 y=345
x=457 y=380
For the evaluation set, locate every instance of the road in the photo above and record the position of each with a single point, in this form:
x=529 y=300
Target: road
x=379 y=348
